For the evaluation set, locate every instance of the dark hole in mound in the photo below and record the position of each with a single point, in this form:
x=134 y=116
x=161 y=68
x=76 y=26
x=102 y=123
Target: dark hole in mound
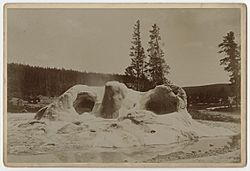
x=160 y=108
x=84 y=103
x=152 y=131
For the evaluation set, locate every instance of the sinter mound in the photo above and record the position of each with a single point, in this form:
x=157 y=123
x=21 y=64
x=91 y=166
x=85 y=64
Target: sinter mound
x=80 y=98
x=115 y=116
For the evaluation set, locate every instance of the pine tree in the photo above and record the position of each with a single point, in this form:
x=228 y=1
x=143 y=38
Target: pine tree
x=157 y=66
x=137 y=67
x=231 y=61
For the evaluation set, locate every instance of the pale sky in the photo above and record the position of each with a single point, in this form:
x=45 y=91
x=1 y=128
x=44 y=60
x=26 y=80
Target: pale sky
x=98 y=40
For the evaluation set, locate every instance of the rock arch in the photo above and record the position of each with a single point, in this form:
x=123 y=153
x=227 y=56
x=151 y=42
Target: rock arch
x=117 y=99
x=164 y=99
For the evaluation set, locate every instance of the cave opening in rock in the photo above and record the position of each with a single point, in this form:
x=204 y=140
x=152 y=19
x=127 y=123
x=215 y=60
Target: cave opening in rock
x=161 y=107
x=84 y=103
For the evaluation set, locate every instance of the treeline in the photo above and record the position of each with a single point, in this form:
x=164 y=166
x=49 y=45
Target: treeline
x=213 y=93
x=26 y=81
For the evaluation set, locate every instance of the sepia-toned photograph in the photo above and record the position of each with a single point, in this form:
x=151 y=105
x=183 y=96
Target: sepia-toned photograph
x=125 y=85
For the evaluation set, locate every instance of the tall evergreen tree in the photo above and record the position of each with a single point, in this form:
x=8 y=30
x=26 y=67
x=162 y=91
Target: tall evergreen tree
x=157 y=66
x=137 y=67
x=231 y=61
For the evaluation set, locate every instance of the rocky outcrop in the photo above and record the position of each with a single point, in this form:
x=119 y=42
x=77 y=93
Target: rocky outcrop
x=77 y=100
x=113 y=98
x=116 y=101
x=164 y=99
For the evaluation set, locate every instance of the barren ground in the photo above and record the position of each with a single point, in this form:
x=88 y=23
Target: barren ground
x=206 y=149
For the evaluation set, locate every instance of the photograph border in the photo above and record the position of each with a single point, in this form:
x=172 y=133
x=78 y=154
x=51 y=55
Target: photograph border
x=243 y=39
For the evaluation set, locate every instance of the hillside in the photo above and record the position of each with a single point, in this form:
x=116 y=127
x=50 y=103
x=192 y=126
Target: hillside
x=28 y=82
x=208 y=93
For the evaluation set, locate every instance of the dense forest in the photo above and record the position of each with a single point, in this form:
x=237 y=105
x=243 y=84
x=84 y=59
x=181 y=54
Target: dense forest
x=213 y=93
x=26 y=82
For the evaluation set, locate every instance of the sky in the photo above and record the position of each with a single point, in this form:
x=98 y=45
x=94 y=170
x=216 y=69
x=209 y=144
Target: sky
x=98 y=40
